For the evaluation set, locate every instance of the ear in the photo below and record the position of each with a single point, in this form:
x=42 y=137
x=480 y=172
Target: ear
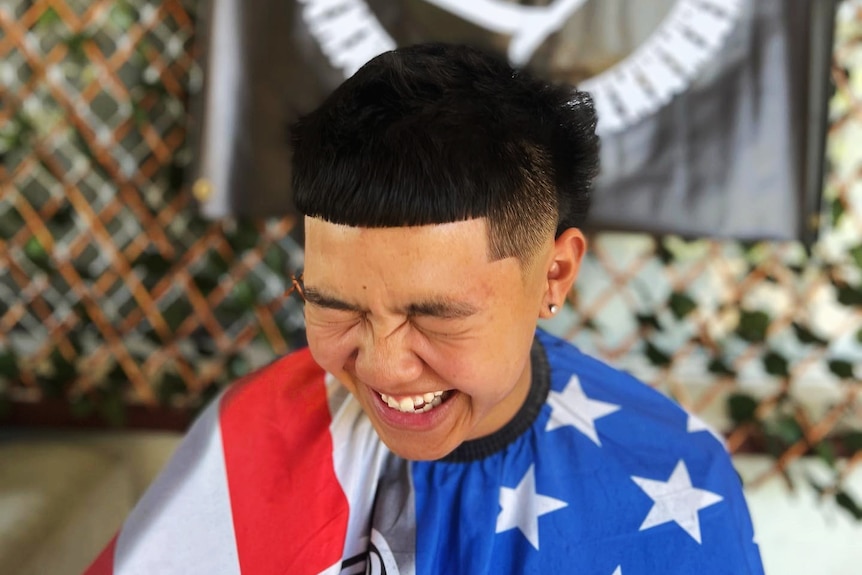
x=569 y=249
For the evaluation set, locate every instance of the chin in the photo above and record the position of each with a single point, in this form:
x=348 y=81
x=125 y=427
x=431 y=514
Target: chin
x=413 y=450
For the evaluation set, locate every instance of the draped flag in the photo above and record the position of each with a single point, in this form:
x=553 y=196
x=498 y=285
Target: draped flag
x=712 y=112
x=285 y=474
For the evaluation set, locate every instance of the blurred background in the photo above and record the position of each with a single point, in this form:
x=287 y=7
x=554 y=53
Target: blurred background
x=137 y=281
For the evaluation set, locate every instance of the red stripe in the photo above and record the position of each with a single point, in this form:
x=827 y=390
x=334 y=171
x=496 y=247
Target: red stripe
x=289 y=511
x=104 y=563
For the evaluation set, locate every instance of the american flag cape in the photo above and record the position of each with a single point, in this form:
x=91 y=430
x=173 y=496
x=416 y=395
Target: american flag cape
x=284 y=474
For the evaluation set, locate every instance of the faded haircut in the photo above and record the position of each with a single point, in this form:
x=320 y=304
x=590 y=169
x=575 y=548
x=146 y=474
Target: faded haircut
x=437 y=133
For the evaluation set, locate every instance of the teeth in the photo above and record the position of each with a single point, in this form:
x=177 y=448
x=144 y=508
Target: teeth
x=416 y=403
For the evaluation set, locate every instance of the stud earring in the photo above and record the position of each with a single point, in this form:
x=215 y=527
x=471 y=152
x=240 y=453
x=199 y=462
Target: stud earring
x=553 y=308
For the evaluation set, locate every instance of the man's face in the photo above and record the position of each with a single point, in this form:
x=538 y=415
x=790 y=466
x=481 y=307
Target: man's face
x=430 y=336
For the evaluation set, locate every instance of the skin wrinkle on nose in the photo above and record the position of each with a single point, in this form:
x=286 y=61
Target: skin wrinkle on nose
x=384 y=356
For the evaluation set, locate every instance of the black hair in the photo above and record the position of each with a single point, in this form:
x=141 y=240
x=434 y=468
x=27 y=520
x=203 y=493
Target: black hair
x=437 y=133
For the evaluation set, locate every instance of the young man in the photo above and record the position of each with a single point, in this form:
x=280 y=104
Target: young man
x=430 y=428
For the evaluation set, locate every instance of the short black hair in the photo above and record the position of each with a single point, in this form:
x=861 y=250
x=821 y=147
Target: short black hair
x=437 y=133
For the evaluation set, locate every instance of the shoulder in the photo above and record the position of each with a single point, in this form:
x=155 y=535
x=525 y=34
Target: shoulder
x=653 y=463
x=293 y=378
x=636 y=419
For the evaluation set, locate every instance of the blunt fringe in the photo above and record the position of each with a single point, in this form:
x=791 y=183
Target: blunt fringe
x=437 y=133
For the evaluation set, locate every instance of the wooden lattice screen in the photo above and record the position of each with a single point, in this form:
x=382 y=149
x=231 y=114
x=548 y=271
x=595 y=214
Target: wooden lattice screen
x=114 y=293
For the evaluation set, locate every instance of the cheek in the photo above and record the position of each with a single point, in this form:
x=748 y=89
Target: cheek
x=330 y=351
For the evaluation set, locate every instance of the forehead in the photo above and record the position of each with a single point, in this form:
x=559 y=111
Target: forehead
x=337 y=256
x=467 y=239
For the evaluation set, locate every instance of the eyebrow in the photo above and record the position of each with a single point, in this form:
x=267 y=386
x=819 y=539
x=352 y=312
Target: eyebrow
x=443 y=308
x=318 y=298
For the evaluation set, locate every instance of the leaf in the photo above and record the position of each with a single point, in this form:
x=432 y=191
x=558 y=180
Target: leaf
x=648 y=320
x=122 y=15
x=238 y=366
x=785 y=429
x=718 y=367
x=826 y=452
x=37 y=254
x=681 y=304
x=275 y=260
x=853 y=441
x=663 y=254
x=153 y=263
x=9 y=365
x=849 y=296
x=75 y=43
x=10 y=223
x=64 y=370
x=48 y=17
x=841 y=368
x=171 y=386
x=752 y=326
x=243 y=238
x=776 y=364
x=176 y=313
x=205 y=284
x=856 y=254
x=846 y=502
x=742 y=408
x=656 y=356
x=805 y=335
x=837 y=211
x=859 y=336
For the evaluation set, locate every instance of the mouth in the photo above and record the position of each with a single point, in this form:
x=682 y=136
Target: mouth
x=415 y=403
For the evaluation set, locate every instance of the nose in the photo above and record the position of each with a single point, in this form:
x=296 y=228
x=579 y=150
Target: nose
x=385 y=360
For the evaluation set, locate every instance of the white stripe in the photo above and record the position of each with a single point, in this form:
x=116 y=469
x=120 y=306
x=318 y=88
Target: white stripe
x=358 y=456
x=183 y=524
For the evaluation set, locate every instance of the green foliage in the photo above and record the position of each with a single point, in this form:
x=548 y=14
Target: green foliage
x=853 y=441
x=782 y=432
x=753 y=326
x=841 y=368
x=237 y=366
x=47 y=18
x=849 y=295
x=656 y=356
x=776 y=364
x=648 y=321
x=36 y=253
x=681 y=304
x=826 y=452
x=806 y=336
x=170 y=387
x=837 y=211
x=719 y=367
x=742 y=408
x=76 y=44
x=8 y=365
x=846 y=501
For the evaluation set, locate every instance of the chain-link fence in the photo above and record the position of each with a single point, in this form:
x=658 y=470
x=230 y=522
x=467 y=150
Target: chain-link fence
x=115 y=293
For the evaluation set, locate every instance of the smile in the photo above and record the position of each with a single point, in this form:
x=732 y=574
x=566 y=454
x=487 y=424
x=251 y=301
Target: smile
x=415 y=403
